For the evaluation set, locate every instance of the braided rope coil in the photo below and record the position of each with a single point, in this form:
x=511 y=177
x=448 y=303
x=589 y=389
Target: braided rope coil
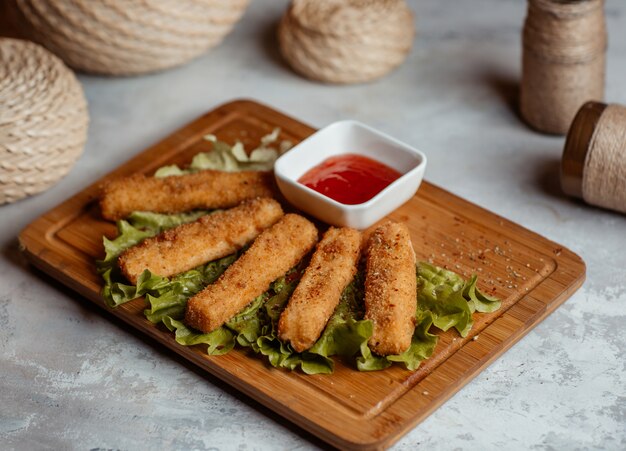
x=43 y=119
x=346 y=41
x=128 y=37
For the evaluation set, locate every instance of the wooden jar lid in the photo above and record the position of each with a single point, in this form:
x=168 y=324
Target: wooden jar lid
x=577 y=145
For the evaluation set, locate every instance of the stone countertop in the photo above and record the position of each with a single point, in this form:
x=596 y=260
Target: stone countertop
x=73 y=379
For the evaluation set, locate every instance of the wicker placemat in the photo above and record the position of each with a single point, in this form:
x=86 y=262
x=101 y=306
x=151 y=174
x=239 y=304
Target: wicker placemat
x=126 y=37
x=43 y=119
x=346 y=41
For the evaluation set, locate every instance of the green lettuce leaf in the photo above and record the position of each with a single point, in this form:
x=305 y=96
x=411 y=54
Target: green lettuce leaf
x=220 y=341
x=257 y=328
x=444 y=300
x=167 y=171
x=247 y=324
x=440 y=292
x=128 y=236
x=171 y=299
x=224 y=157
x=118 y=293
x=346 y=332
x=157 y=222
x=477 y=300
x=422 y=346
x=282 y=355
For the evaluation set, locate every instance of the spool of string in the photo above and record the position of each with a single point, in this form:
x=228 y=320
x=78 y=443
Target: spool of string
x=563 y=64
x=594 y=159
x=346 y=41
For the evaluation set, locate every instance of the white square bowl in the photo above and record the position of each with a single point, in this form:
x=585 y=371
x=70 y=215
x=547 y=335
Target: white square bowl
x=356 y=138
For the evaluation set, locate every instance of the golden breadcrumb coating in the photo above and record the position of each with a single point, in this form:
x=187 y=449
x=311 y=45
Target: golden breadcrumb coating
x=390 y=288
x=208 y=238
x=314 y=300
x=271 y=255
x=175 y=194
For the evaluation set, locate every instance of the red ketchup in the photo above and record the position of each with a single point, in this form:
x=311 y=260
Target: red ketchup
x=349 y=178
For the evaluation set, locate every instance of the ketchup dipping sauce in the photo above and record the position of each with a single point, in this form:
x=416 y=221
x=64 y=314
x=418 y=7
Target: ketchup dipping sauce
x=350 y=179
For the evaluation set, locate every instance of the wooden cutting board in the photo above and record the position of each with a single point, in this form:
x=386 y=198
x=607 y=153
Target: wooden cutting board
x=349 y=409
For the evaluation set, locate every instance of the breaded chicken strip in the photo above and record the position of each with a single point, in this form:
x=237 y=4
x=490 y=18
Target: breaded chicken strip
x=390 y=288
x=331 y=269
x=209 y=238
x=175 y=194
x=273 y=253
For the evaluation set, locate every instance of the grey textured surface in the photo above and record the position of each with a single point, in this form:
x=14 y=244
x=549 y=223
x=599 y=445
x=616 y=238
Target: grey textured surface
x=72 y=379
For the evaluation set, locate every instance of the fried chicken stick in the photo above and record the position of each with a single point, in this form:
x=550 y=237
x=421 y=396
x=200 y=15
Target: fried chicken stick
x=273 y=253
x=331 y=269
x=201 y=190
x=208 y=238
x=390 y=288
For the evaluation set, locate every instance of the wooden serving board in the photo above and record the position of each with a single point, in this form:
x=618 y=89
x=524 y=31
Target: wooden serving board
x=348 y=409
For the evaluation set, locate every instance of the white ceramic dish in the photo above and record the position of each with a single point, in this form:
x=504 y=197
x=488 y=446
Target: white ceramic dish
x=350 y=137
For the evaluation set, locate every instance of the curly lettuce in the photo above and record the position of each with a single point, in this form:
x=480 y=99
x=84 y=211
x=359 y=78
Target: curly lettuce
x=224 y=157
x=445 y=299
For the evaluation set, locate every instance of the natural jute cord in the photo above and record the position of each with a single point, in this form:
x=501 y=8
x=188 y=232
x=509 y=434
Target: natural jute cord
x=43 y=119
x=604 y=174
x=563 y=64
x=346 y=41
x=126 y=37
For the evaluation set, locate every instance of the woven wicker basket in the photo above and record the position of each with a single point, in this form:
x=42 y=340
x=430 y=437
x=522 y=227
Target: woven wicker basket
x=346 y=41
x=43 y=119
x=127 y=37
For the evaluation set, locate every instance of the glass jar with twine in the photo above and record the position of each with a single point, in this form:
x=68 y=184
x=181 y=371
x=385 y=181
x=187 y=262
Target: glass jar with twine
x=563 y=63
x=593 y=166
